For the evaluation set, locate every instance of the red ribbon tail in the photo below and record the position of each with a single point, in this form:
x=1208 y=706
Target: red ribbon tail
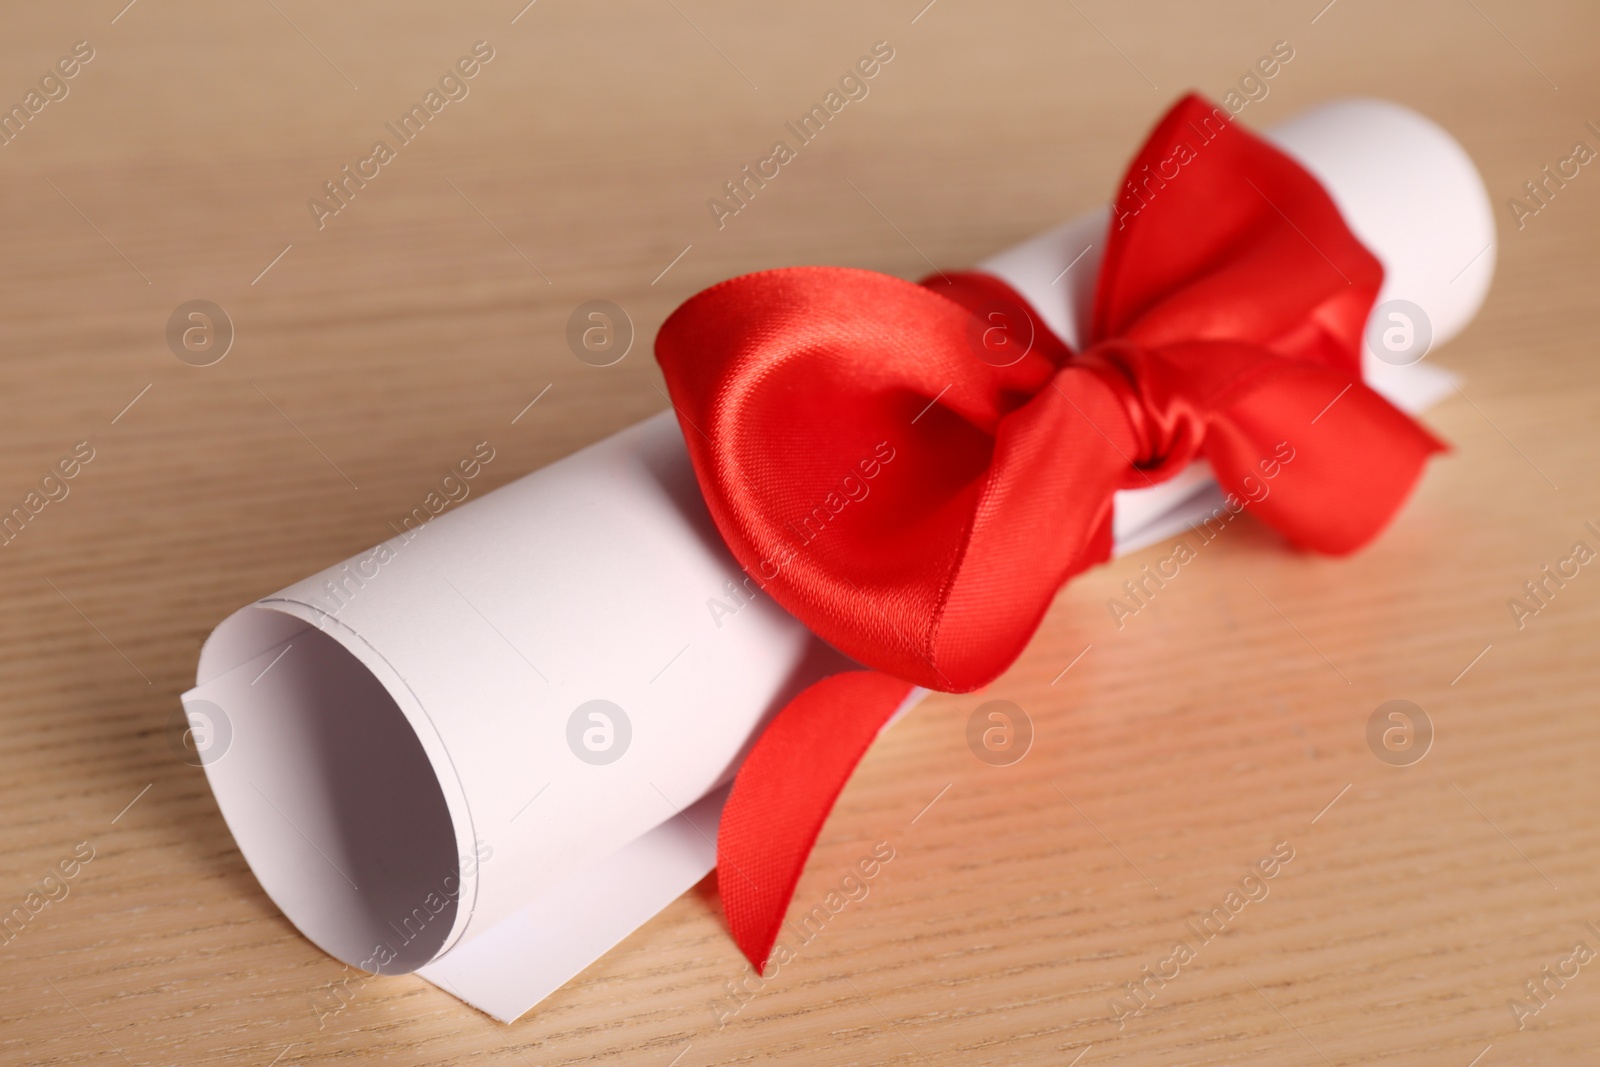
x=783 y=793
x=1346 y=469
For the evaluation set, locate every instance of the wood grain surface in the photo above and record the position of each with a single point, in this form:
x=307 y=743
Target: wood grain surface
x=1225 y=720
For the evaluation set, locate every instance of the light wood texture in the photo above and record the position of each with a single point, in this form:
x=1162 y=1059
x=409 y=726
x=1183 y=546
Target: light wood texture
x=1218 y=722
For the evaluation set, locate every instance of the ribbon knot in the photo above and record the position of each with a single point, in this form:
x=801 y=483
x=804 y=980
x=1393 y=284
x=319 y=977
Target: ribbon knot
x=1168 y=430
x=915 y=491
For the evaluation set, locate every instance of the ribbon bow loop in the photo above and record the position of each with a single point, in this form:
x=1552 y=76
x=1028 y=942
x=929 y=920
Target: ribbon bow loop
x=914 y=470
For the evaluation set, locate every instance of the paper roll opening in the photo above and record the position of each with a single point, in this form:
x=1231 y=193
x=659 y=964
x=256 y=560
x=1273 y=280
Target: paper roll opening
x=330 y=794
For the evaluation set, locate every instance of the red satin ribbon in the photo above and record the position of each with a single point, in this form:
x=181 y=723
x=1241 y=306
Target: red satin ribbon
x=918 y=505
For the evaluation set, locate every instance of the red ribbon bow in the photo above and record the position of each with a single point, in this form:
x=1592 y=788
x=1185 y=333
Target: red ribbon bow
x=917 y=505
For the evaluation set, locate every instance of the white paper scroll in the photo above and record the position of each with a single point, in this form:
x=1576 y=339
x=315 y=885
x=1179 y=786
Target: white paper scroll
x=413 y=765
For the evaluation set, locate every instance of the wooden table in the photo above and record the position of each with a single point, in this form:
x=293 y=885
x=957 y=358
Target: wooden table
x=372 y=351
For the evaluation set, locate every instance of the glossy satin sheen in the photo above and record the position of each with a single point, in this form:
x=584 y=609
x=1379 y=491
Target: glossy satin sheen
x=914 y=470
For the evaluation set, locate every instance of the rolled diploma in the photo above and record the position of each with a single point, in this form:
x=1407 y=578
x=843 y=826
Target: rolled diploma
x=399 y=774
